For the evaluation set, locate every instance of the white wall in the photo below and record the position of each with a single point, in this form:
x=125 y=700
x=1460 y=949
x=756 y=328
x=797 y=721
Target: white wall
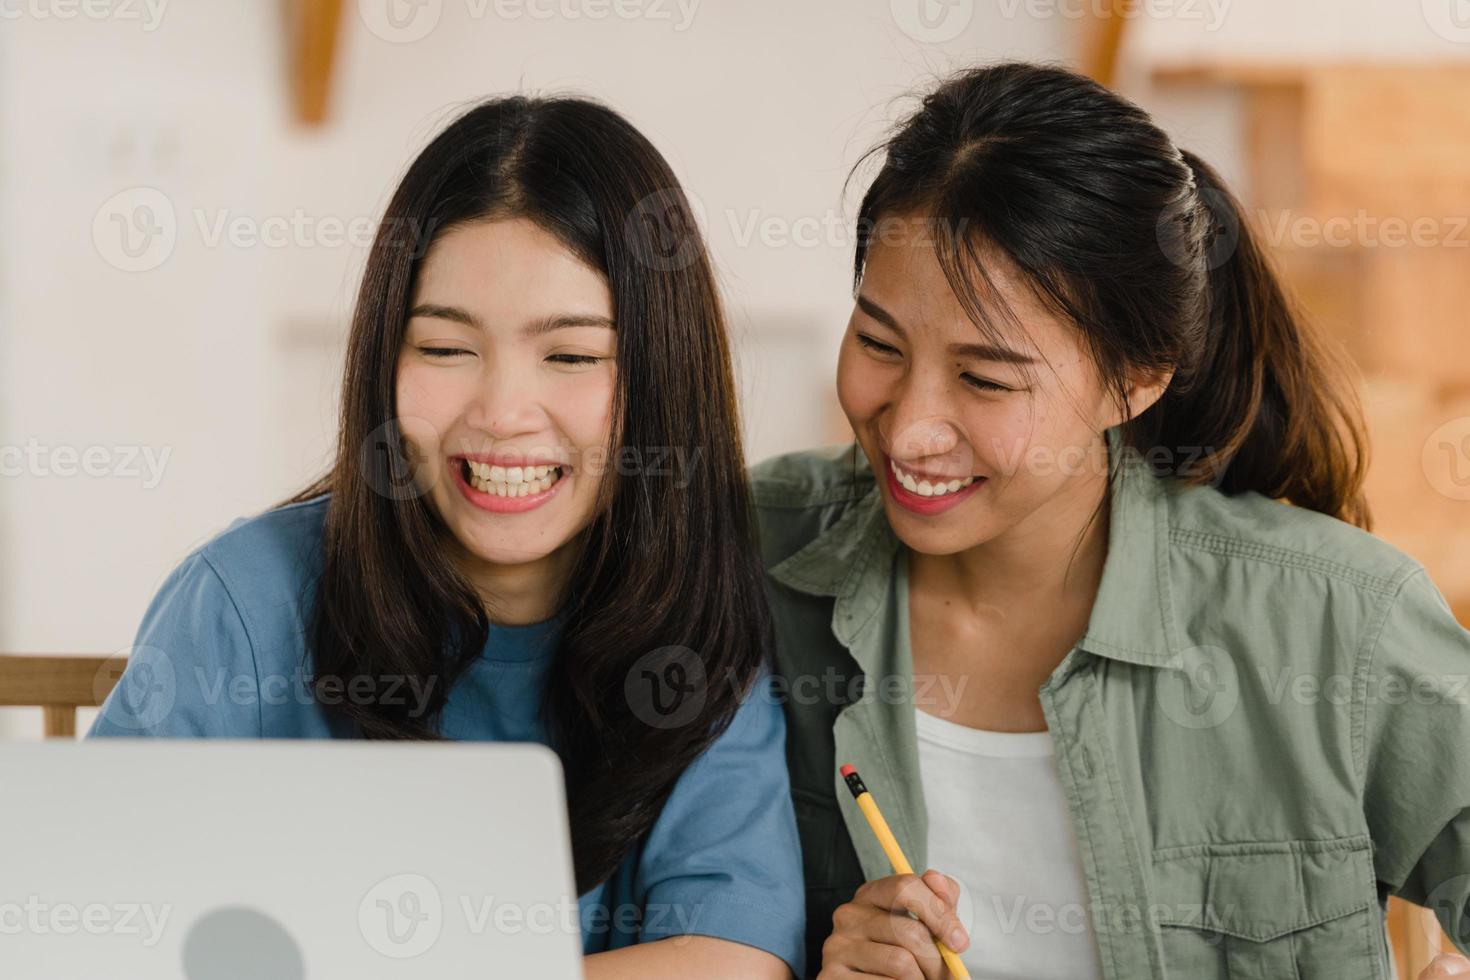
x=224 y=356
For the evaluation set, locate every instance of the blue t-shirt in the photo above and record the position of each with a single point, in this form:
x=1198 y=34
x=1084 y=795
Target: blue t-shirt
x=222 y=651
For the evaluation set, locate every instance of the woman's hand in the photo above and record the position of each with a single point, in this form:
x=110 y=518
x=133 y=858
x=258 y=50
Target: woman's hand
x=873 y=935
x=1446 y=965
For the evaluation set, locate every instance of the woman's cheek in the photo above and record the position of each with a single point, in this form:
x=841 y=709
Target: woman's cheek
x=859 y=387
x=415 y=397
x=424 y=417
x=437 y=397
x=1003 y=437
x=583 y=410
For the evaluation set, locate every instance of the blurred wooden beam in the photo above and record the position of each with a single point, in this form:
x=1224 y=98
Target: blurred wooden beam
x=1104 y=41
x=1241 y=72
x=312 y=28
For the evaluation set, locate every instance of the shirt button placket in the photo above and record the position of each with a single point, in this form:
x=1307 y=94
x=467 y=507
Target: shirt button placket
x=1118 y=915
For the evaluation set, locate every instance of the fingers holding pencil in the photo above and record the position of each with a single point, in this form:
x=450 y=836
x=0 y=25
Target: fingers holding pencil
x=888 y=929
x=918 y=896
x=948 y=889
x=875 y=927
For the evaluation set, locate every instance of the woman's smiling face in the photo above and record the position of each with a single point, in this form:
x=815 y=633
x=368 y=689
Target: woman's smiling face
x=505 y=388
x=967 y=435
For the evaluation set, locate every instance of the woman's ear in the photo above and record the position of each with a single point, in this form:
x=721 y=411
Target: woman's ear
x=1144 y=388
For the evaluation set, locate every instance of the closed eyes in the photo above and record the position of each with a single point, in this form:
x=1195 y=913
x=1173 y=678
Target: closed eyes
x=979 y=384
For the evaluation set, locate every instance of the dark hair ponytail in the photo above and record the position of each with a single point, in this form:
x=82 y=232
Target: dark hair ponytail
x=1147 y=252
x=1265 y=391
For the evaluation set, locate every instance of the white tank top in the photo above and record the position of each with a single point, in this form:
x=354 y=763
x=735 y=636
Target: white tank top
x=999 y=824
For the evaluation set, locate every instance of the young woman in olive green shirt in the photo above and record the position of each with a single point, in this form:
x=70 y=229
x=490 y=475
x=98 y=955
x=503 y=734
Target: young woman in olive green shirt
x=1106 y=487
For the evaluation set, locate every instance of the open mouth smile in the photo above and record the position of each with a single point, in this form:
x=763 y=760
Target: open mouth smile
x=928 y=494
x=507 y=489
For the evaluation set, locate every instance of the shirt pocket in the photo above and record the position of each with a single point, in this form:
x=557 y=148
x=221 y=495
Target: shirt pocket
x=1288 y=910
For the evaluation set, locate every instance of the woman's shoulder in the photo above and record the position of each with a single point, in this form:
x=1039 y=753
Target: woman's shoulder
x=283 y=544
x=264 y=567
x=811 y=477
x=800 y=495
x=1271 y=533
x=224 y=635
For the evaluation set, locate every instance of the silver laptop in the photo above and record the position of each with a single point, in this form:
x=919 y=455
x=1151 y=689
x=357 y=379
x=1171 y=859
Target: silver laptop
x=164 y=859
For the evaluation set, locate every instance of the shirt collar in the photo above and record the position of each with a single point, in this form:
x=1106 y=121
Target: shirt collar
x=1132 y=619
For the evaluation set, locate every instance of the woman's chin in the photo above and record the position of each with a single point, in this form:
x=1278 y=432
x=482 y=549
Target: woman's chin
x=506 y=555
x=931 y=536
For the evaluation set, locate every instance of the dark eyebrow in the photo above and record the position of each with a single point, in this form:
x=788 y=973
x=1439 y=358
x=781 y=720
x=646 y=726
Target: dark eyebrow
x=985 y=352
x=535 y=329
x=438 y=312
x=564 y=320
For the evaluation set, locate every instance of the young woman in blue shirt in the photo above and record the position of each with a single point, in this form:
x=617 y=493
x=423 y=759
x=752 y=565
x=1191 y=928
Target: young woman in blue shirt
x=537 y=528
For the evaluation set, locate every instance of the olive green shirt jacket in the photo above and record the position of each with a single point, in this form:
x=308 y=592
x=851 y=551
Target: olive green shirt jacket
x=1263 y=733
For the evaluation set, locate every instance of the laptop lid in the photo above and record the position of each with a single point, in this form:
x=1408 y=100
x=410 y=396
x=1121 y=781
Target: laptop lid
x=169 y=859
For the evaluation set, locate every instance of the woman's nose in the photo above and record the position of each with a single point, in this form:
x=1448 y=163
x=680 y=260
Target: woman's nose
x=506 y=406
x=922 y=420
x=921 y=436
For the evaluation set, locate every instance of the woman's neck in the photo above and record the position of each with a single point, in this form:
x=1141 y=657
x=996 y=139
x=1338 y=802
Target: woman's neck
x=522 y=593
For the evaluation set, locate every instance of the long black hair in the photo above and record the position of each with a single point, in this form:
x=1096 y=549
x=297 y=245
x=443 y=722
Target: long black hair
x=1144 y=249
x=668 y=575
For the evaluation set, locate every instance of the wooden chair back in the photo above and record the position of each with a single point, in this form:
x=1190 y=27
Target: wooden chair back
x=58 y=684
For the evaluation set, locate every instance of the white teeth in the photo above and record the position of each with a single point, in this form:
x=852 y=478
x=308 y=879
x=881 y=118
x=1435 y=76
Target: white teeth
x=925 y=488
x=512 y=481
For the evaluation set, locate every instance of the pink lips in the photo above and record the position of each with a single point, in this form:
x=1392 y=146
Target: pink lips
x=497 y=504
x=918 y=503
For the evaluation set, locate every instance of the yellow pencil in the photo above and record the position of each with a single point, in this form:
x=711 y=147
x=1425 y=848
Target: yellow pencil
x=900 y=863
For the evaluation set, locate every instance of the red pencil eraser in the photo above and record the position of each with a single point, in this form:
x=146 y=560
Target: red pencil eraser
x=848 y=771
